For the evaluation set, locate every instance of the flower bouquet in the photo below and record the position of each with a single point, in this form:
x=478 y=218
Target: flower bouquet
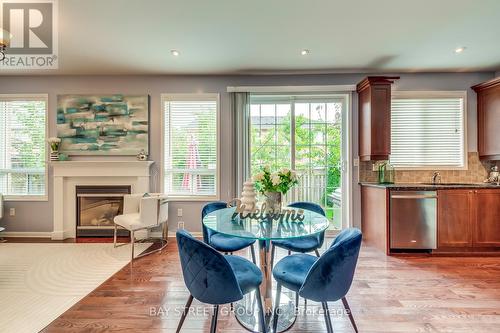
x=274 y=184
x=54 y=148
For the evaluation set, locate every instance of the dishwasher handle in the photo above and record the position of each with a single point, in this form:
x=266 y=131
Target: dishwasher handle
x=414 y=196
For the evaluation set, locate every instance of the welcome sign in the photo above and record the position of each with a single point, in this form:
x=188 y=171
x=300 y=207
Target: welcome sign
x=285 y=215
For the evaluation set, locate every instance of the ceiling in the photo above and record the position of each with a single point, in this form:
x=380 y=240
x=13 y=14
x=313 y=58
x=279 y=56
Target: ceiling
x=263 y=36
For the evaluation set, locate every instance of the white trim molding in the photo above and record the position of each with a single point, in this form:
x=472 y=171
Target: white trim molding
x=26 y=234
x=293 y=89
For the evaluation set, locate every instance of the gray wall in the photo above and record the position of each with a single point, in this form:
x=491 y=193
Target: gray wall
x=37 y=216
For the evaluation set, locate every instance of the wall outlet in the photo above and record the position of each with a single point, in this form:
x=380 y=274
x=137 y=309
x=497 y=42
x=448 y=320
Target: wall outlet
x=179 y=212
x=12 y=212
x=180 y=225
x=356 y=162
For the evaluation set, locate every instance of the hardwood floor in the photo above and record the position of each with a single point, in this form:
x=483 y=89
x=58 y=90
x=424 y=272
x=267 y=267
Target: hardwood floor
x=389 y=294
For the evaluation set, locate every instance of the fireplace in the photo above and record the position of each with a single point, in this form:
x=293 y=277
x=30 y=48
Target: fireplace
x=96 y=207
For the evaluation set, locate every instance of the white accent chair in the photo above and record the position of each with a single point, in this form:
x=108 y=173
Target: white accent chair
x=143 y=213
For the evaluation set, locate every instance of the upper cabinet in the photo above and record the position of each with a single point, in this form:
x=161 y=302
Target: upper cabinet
x=374 y=105
x=488 y=119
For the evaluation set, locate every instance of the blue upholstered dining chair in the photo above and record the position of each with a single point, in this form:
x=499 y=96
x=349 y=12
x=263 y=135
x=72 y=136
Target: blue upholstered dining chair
x=214 y=278
x=220 y=242
x=302 y=244
x=324 y=279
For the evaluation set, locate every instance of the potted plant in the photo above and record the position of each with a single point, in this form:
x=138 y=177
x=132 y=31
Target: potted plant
x=54 y=148
x=273 y=185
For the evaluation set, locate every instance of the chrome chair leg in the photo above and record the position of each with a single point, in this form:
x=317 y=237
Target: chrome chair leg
x=213 y=327
x=329 y=327
x=262 y=314
x=276 y=307
x=273 y=249
x=351 y=318
x=132 y=241
x=252 y=251
x=114 y=235
x=184 y=313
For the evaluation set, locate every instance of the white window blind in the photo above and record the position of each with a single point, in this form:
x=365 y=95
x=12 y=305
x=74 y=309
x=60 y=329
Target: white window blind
x=428 y=130
x=22 y=144
x=190 y=145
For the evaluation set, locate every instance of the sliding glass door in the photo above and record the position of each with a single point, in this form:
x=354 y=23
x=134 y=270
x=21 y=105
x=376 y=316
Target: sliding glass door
x=305 y=133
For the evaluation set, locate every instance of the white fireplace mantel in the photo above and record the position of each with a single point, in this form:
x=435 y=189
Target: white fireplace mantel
x=69 y=174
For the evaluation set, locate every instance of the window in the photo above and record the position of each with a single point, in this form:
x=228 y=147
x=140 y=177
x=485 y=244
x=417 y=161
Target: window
x=23 y=172
x=428 y=130
x=302 y=132
x=190 y=137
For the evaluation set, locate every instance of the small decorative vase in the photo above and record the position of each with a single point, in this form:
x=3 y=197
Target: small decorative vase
x=54 y=156
x=248 y=196
x=273 y=202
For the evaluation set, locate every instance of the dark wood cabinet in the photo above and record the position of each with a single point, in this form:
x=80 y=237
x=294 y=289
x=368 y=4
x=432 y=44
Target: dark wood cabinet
x=469 y=218
x=454 y=216
x=487 y=218
x=488 y=119
x=374 y=105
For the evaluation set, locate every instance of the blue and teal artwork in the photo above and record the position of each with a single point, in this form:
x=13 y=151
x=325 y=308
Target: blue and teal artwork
x=103 y=124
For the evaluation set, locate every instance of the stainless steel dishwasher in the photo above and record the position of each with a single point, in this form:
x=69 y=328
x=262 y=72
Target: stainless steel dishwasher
x=413 y=220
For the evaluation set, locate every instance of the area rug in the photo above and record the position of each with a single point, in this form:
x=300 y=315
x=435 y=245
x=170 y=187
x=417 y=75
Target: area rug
x=39 y=282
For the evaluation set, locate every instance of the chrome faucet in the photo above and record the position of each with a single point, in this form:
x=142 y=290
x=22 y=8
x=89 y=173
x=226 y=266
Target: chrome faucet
x=436 y=177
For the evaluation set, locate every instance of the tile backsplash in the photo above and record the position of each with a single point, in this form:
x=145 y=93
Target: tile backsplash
x=477 y=172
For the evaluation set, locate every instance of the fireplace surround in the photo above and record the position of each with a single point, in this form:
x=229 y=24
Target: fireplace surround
x=67 y=175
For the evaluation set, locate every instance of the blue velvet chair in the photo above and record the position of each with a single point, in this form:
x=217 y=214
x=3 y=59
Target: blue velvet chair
x=214 y=278
x=220 y=242
x=324 y=279
x=302 y=244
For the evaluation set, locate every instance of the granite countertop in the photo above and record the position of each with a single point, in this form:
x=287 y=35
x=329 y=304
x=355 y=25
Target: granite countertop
x=428 y=186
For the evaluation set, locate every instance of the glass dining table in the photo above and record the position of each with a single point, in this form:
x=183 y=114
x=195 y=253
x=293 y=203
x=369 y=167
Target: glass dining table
x=265 y=230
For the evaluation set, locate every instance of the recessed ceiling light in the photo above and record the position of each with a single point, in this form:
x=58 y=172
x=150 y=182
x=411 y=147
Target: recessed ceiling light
x=175 y=53
x=305 y=52
x=460 y=49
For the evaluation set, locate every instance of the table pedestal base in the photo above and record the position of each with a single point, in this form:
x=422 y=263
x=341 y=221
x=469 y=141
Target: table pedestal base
x=247 y=313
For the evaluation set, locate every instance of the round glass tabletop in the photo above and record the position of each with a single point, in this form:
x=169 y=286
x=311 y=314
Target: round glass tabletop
x=225 y=221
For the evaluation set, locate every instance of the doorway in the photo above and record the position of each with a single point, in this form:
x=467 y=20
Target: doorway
x=309 y=134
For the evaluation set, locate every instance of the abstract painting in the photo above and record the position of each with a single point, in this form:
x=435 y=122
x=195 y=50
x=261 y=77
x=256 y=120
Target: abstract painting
x=103 y=124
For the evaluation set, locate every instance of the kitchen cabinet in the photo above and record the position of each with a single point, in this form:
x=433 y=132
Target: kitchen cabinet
x=374 y=114
x=454 y=216
x=469 y=218
x=488 y=119
x=487 y=218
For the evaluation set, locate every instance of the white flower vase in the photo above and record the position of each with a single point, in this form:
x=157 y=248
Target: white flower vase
x=248 y=196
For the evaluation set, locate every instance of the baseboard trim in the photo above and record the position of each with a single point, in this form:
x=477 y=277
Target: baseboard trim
x=26 y=234
x=158 y=234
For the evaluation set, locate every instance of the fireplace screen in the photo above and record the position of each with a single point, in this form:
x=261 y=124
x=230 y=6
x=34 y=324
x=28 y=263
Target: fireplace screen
x=99 y=211
x=97 y=207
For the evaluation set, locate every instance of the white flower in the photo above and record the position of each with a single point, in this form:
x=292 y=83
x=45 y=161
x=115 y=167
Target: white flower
x=258 y=177
x=285 y=171
x=275 y=178
x=53 y=140
x=293 y=174
x=267 y=168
